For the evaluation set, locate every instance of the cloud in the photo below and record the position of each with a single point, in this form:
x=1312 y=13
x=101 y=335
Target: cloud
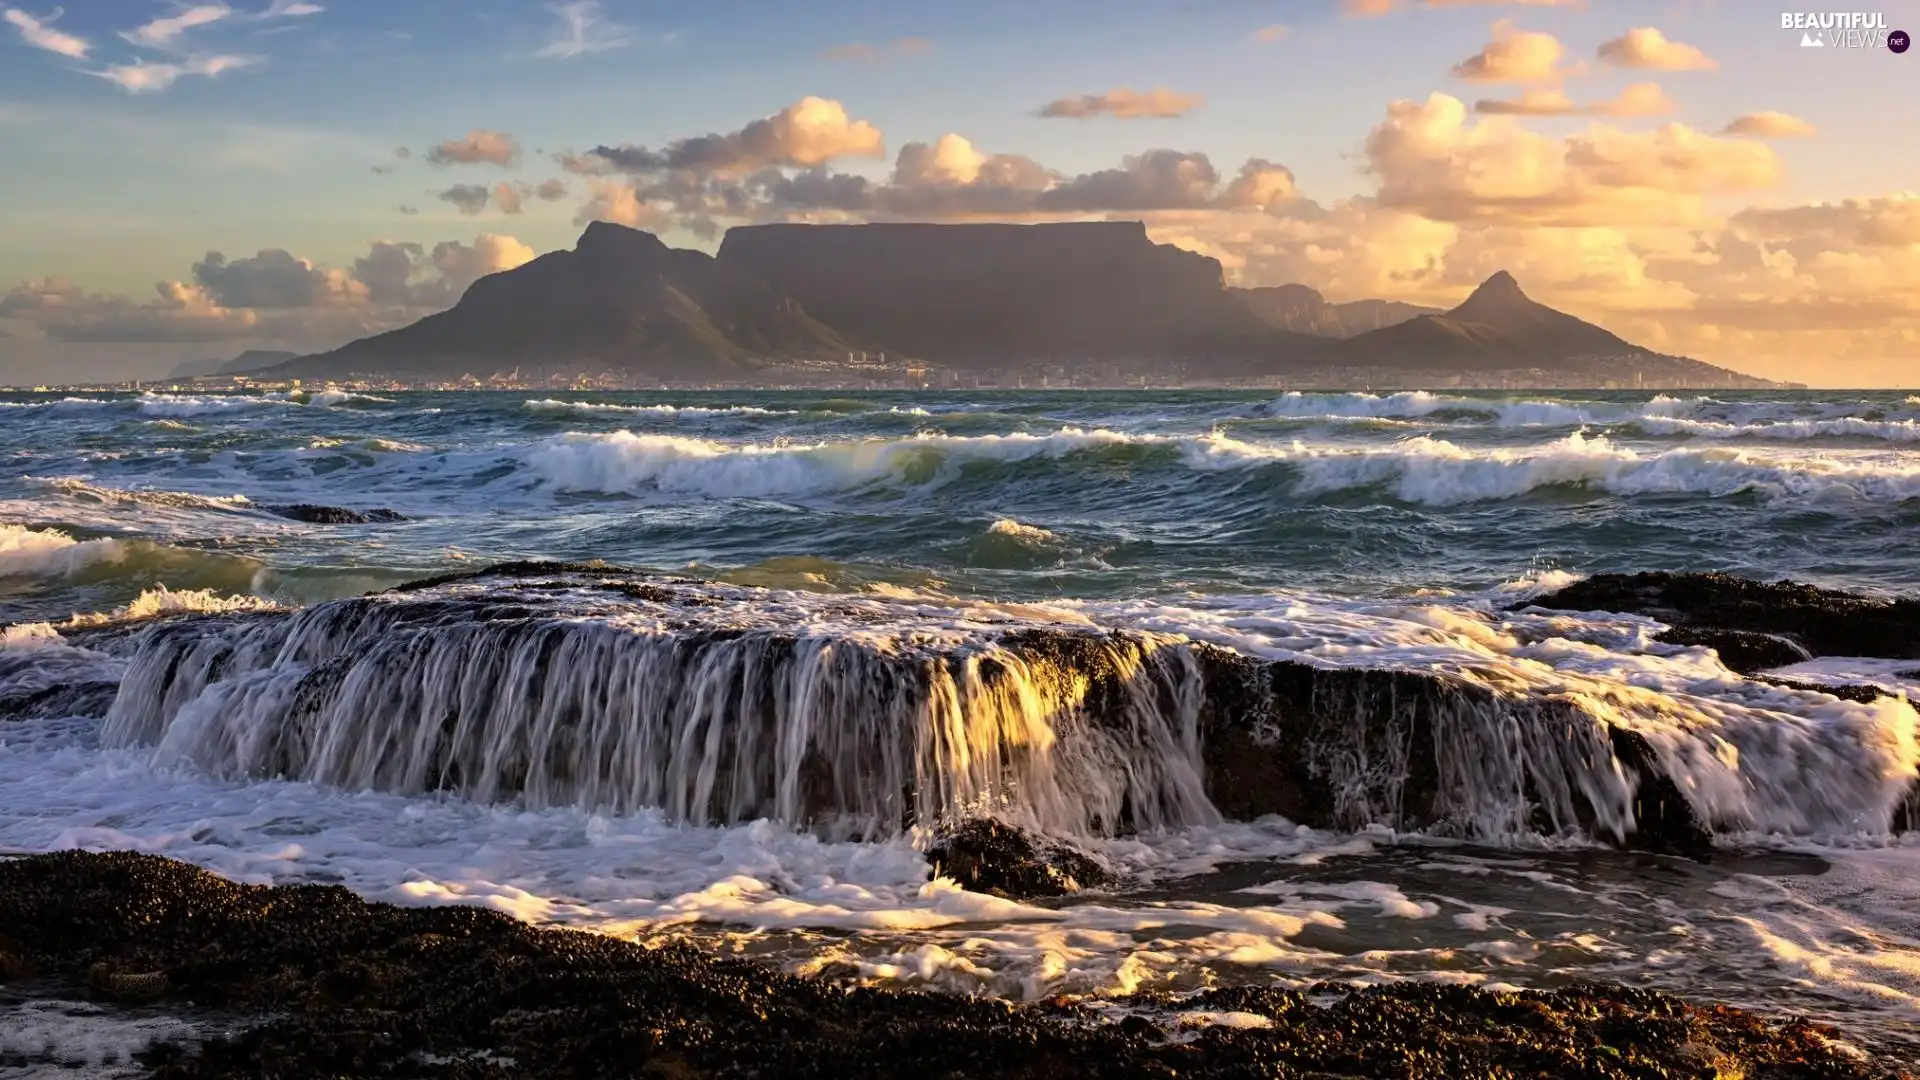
x=165 y=33
x=1640 y=99
x=1124 y=104
x=145 y=77
x=812 y=131
x=1375 y=8
x=615 y=202
x=271 y=296
x=289 y=9
x=402 y=153
x=477 y=147
x=1890 y=221
x=409 y=210
x=1769 y=125
x=39 y=33
x=273 y=278
x=862 y=52
x=1647 y=48
x=581 y=30
x=1431 y=161
x=1514 y=56
x=467 y=198
x=1271 y=33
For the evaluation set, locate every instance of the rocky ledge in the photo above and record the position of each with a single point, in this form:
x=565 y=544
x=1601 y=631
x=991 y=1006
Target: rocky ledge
x=310 y=981
x=1754 y=625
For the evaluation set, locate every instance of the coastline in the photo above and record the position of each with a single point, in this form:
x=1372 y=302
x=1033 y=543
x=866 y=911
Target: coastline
x=310 y=980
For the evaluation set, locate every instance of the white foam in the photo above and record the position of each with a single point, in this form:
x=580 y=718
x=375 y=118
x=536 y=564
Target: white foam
x=598 y=408
x=1030 y=534
x=1901 y=431
x=44 y=553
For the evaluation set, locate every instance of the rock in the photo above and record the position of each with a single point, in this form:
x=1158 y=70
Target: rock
x=318 y=982
x=1821 y=622
x=1743 y=651
x=333 y=515
x=985 y=855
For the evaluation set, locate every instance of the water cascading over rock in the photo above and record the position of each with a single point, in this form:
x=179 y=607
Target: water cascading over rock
x=854 y=716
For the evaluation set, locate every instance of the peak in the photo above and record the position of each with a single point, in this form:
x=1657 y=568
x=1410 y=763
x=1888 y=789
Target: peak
x=607 y=236
x=1500 y=284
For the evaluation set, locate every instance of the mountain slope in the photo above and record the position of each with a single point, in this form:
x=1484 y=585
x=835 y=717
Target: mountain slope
x=1303 y=310
x=1499 y=328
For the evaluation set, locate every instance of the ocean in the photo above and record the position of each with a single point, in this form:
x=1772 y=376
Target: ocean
x=249 y=719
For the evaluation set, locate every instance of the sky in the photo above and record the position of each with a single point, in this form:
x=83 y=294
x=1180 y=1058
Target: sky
x=188 y=180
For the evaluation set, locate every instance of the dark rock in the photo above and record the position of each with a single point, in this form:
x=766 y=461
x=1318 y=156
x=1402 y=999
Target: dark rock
x=1823 y=622
x=985 y=855
x=1743 y=651
x=75 y=699
x=333 y=515
x=1665 y=822
x=321 y=983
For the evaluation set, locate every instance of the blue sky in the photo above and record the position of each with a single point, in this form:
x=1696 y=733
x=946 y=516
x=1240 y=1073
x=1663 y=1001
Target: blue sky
x=116 y=188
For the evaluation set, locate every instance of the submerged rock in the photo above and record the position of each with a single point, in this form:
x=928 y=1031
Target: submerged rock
x=333 y=515
x=312 y=981
x=1712 y=609
x=989 y=856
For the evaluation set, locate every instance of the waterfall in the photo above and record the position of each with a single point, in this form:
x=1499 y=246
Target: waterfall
x=713 y=704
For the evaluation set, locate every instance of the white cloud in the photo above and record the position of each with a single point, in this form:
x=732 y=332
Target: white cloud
x=1769 y=125
x=39 y=33
x=477 y=147
x=582 y=30
x=1124 y=103
x=165 y=33
x=1514 y=56
x=144 y=77
x=1647 y=48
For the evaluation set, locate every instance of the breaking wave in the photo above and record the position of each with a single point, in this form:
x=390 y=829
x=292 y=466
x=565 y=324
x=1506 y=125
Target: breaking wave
x=28 y=552
x=1421 y=470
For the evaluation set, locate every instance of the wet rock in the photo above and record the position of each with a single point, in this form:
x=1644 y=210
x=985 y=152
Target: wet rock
x=320 y=983
x=77 y=699
x=1665 y=822
x=985 y=855
x=333 y=515
x=1740 y=650
x=1823 y=622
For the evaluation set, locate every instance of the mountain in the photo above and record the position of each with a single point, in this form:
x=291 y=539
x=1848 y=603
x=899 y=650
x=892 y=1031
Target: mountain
x=1499 y=328
x=1302 y=309
x=619 y=299
x=251 y=360
x=978 y=296
x=986 y=295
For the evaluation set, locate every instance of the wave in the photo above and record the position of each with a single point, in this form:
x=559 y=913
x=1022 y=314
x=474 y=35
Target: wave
x=77 y=488
x=625 y=463
x=1419 y=470
x=161 y=600
x=596 y=408
x=1438 y=473
x=1904 y=431
x=47 y=553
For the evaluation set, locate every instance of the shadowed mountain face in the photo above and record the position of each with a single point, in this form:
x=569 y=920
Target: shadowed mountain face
x=963 y=296
x=620 y=298
x=1303 y=310
x=987 y=294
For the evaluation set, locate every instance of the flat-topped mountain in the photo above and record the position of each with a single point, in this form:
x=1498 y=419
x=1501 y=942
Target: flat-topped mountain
x=1302 y=309
x=1500 y=328
x=972 y=296
x=987 y=294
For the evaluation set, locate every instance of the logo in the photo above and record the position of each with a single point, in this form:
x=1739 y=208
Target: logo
x=1845 y=30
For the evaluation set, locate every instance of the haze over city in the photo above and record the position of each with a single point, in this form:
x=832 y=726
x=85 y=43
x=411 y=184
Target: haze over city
x=190 y=181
